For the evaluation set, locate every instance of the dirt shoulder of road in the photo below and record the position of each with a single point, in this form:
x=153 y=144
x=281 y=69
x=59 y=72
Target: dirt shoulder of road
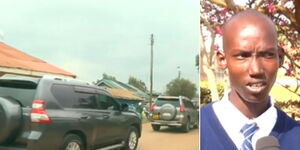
x=168 y=139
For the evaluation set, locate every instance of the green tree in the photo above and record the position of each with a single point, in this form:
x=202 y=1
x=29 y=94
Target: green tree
x=108 y=77
x=181 y=86
x=105 y=76
x=137 y=83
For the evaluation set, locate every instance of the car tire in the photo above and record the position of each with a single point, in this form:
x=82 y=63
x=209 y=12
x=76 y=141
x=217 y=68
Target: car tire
x=132 y=139
x=186 y=126
x=72 y=142
x=155 y=127
x=167 y=112
x=11 y=117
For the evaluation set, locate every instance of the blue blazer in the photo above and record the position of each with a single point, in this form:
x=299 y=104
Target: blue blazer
x=214 y=137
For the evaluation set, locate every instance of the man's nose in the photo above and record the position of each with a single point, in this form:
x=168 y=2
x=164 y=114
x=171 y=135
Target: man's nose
x=255 y=67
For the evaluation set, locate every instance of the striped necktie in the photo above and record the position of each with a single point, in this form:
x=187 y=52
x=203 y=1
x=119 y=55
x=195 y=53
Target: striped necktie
x=248 y=131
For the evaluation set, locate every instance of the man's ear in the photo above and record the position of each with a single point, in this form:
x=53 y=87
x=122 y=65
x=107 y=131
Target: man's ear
x=281 y=54
x=221 y=60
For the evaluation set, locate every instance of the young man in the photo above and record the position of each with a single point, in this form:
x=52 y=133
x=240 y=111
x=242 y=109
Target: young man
x=246 y=113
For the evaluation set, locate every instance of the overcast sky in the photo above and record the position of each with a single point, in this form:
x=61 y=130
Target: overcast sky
x=92 y=37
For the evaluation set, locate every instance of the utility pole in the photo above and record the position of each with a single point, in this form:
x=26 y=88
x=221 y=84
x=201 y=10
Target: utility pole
x=151 y=68
x=178 y=68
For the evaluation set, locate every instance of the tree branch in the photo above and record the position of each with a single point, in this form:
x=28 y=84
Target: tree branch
x=290 y=90
x=292 y=60
x=228 y=4
x=297 y=13
x=258 y=3
x=286 y=12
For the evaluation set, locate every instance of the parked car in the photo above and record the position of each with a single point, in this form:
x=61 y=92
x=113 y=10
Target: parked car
x=173 y=111
x=52 y=113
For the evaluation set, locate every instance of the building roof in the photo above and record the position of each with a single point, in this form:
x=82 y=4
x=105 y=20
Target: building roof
x=110 y=84
x=123 y=86
x=124 y=94
x=139 y=92
x=11 y=58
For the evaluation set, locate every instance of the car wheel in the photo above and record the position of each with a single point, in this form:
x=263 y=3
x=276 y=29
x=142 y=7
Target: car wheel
x=155 y=127
x=186 y=126
x=132 y=139
x=72 y=142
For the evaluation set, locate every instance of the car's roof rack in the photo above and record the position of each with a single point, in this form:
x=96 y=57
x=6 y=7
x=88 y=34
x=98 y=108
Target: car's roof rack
x=66 y=79
x=171 y=97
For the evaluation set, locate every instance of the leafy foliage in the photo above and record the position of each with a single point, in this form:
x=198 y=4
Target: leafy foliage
x=286 y=104
x=292 y=107
x=108 y=77
x=137 y=83
x=205 y=95
x=181 y=86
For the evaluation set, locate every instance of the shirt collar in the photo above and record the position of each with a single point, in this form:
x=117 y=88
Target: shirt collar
x=233 y=120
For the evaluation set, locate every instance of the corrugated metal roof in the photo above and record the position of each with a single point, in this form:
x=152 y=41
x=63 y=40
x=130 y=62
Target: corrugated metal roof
x=110 y=83
x=123 y=86
x=140 y=92
x=12 y=58
x=125 y=94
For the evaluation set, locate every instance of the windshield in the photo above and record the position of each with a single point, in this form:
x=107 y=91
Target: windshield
x=173 y=101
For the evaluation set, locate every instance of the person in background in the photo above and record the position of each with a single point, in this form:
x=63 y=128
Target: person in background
x=139 y=109
x=247 y=113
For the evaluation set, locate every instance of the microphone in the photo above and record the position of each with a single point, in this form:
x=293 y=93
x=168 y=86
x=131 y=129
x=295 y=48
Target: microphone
x=267 y=143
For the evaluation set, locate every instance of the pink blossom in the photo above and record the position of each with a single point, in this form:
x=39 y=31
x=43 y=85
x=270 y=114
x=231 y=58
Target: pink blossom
x=281 y=44
x=213 y=18
x=283 y=2
x=288 y=73
x=224 y=11
x=282 y=23
x=216 y=47
x=218 y=30
x=271 y=8
x=291 y=66
x=289 y=70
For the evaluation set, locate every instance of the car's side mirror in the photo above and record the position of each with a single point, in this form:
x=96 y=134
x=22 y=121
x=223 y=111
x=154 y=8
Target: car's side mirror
x=124 y=107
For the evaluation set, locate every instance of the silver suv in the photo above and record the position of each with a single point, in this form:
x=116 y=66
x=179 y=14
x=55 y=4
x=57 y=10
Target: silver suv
x=173 y=111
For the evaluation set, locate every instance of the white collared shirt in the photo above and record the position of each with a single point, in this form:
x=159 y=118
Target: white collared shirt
x=233 y=120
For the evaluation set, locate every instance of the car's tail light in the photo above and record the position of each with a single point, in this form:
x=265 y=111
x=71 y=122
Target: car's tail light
x=181 y=108
x=152 y=107
x=38 y=113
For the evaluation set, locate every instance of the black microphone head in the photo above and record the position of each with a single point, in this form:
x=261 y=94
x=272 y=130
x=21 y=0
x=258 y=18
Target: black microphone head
x=267 y=143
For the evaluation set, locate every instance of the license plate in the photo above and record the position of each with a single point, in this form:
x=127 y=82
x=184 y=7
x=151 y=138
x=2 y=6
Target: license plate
x=166 y=114
x=155 y=116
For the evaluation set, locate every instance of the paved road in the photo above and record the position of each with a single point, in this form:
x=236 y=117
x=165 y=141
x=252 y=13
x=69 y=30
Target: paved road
x=168 y=139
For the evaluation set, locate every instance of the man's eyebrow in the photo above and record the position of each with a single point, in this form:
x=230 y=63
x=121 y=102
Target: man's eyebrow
x=268 y=49
x=241 y=50
x=249 y=50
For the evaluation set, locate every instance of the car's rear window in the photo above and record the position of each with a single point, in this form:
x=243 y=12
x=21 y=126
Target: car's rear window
x=173 y=101
x=23 y=91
